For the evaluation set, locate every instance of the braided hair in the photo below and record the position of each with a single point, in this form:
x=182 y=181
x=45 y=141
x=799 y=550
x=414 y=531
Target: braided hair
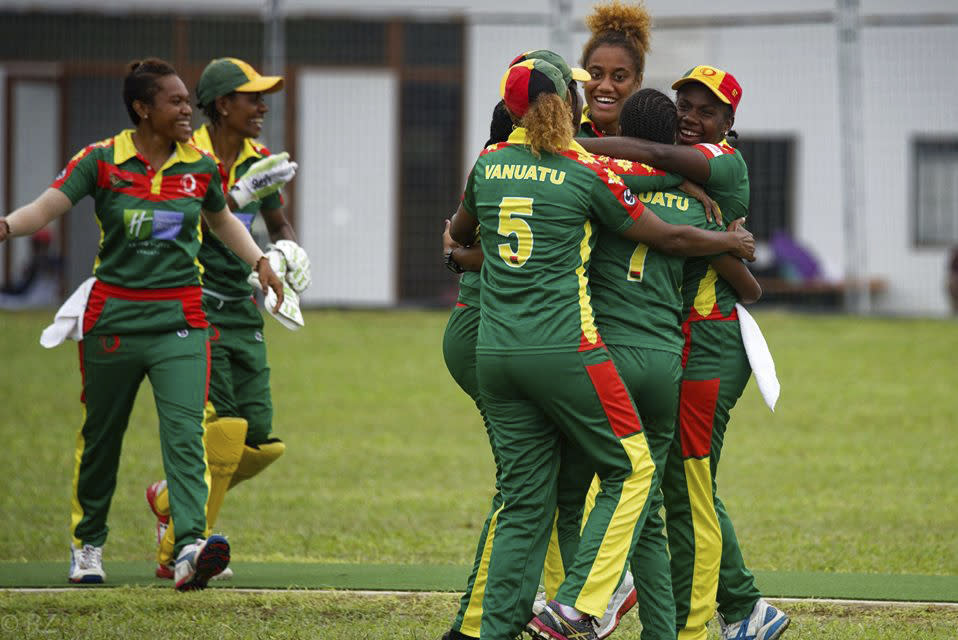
x=649 y=114
x=501 y=125
x=140 y=83
x=620 y=25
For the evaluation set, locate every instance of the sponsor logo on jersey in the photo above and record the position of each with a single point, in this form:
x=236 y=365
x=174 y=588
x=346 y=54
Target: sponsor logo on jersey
x=628 y=198
x=109 y=344
x=182 y=333
x=188 y=183
x=258 y=336
x=156 y=224
x=246 y=219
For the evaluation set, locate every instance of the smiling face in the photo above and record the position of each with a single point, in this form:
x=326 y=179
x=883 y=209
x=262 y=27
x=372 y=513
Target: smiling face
x=244 y=113
x=703 y=118
x=614 y=78
x=170 y=113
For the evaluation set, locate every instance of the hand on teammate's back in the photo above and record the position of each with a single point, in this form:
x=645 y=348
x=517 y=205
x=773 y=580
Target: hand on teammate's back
x=746 y=243
x=448 y=244
x=712 y=211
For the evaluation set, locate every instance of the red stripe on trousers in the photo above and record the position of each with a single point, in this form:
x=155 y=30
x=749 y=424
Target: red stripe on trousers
x=696 y=411
x=615 y=399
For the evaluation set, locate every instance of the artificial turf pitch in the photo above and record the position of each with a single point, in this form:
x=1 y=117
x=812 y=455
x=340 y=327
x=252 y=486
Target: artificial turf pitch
x=398 y=577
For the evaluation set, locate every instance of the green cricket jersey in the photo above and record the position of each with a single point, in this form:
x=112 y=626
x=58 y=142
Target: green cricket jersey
x=150 y=233
x=705 y=294
x=536 y=230
x=225 y=272
x=637 y=291
x=587 y=128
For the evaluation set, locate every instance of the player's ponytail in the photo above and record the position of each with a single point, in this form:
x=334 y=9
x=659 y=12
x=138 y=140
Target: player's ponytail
x=622 y=25
x=548 y=124
x=140 y=82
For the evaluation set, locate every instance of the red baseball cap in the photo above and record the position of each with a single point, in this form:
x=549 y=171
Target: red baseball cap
x=722 y=83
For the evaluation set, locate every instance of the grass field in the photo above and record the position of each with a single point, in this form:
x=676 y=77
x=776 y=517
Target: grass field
x=387 y=463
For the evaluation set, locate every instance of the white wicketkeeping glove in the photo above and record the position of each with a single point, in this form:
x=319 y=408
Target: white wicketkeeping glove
x=297 y=264
x=264 y=177
x=289 y=314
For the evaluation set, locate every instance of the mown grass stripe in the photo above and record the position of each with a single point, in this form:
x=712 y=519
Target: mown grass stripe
x=394 y=577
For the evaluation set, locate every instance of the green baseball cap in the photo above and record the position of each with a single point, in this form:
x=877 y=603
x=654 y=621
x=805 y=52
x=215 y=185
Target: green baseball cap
x=226 y=75
x=553 y=58
x=527 y=80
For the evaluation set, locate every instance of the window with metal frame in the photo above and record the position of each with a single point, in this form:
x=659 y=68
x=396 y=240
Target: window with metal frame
x=935 y=191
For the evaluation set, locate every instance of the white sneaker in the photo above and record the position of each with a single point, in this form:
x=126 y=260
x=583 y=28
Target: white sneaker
x=225 y=574
x=764 y=623
x=623 y=599
x=200 y=561
x=86 y=564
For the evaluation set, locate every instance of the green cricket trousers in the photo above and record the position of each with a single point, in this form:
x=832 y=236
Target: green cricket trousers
x=112 y=368
x=706 y=562
x=532 y=400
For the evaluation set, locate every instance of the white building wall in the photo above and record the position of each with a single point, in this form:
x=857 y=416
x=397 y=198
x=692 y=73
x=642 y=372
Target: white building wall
x=790 y=87
x=909 y=91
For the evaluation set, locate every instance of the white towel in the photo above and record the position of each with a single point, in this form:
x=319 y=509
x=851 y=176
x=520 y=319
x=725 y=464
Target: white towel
x=759 y=357
x=68 y=322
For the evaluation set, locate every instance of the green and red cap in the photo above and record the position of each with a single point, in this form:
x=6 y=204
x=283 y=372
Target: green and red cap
x=722 y=83
x=553 y=58
x=226 y=75
x=526 y=81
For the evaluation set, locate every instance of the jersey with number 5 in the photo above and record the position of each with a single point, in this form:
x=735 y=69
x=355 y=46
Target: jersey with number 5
x=538 y=218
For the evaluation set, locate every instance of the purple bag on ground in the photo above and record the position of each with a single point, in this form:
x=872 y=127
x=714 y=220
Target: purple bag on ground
x=794 y=262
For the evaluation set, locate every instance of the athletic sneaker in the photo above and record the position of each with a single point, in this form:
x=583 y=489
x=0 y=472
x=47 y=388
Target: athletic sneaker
x=764 y=623
x=200 y=561
x=165 y=571
x=623 y=599
x=86 y=564
x=162 y=521
x=551 y=624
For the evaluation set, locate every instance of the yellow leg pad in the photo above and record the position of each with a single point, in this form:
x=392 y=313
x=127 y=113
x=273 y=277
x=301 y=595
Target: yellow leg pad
x=255 y=459
x=225 y=442
x=162 y=501
x=164 y=555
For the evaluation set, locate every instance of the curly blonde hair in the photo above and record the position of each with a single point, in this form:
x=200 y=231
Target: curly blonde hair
x=548 y=124
x=623 y=25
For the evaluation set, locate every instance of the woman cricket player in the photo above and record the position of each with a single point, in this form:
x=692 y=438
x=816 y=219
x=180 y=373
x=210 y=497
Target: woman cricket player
x=240 y=411
x=144 y=316
x=707 y=563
